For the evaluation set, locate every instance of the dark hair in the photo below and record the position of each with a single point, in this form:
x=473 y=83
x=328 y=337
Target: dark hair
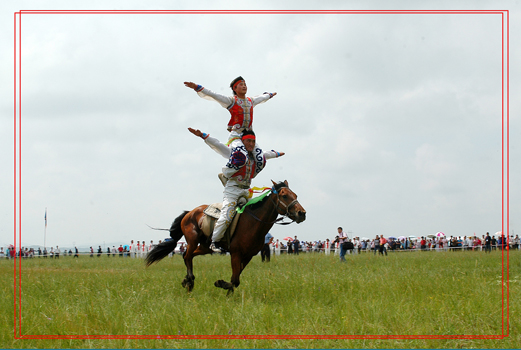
x=247 y=132
x=239 y=78
x=340 y=228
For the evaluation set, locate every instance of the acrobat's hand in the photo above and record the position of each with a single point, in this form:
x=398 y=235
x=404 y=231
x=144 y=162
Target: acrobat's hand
x=279 y=154
x=190 y=85
x=198 y=132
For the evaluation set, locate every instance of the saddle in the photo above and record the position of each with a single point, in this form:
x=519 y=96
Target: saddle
x=211 y=214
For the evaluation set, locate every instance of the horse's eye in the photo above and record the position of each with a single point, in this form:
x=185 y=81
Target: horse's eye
x=284 y=196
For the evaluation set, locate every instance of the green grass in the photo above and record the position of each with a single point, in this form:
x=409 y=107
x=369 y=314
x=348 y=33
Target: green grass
x=420 y=293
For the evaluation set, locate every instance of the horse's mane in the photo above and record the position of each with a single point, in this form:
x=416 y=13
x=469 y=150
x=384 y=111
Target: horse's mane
x=261 y=203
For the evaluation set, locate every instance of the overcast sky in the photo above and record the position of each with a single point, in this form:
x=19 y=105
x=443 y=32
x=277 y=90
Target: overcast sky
x=391 y=124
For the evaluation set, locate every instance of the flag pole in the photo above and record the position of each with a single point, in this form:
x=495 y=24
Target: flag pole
x=45 y=231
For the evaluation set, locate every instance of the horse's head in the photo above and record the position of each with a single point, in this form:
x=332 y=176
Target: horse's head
x=287 y=203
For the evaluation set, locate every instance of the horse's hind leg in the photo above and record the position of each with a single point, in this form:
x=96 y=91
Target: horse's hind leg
x=188 y=282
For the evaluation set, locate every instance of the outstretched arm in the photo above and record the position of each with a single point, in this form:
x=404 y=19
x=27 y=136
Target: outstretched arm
x=273 y=154
x=207 y=94
x=213 y=143
x=263 y=98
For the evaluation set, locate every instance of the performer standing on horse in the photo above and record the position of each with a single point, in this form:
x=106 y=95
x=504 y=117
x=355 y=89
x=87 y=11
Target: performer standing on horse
x=240 y=108
x=239 y=171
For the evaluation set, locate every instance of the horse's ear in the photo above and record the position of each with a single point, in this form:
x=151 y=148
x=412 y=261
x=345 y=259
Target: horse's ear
x=286 y=183
x=273 y=182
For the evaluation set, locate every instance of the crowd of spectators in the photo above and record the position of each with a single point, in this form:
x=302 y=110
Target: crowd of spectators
x=295 y=246
x=138 y=250
x=381 y=245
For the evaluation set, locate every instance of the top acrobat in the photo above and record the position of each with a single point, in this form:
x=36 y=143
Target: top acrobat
x=239 y=106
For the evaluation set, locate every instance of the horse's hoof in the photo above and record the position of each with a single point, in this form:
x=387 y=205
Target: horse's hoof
x=230 y=292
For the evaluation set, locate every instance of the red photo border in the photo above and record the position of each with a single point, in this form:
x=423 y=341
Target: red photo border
x=504 y=162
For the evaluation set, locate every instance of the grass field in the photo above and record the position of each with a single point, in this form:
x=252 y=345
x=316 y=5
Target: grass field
x=410 y=294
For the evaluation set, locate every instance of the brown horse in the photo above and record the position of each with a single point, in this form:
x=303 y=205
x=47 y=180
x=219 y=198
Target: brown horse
x=248 y=240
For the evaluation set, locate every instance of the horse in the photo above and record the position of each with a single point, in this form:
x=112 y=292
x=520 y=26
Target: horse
x=248 y=239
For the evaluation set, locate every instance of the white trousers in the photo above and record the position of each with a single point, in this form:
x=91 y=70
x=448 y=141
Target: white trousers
x=230 y=196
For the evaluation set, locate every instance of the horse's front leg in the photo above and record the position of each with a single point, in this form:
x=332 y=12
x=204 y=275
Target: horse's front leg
x=237 y=267
x=237 y=270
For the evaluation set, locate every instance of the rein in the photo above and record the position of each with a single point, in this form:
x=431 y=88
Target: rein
x=270 y=222
x=286 y=214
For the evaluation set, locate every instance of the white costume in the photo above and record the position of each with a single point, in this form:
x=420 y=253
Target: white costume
x=277 y=247
x=239 y=171
x=241 y=166
x=327 y=247
x=133 y=250
x=241 y=110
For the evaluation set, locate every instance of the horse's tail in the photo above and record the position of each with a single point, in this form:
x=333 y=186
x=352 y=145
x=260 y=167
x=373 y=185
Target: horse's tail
x=162 y=250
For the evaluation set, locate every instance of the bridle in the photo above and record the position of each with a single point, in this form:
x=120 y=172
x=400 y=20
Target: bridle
x=284 y=215
x=286 y=206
